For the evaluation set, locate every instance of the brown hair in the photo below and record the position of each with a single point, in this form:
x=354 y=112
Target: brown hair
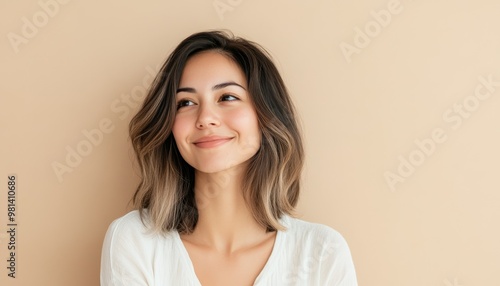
x=272 y=182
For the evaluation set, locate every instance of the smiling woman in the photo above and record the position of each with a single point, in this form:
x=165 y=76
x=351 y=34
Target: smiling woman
x=214 y=108
x=220 y=155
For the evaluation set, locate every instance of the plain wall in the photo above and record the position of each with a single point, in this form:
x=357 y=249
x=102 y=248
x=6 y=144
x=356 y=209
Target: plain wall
x=400 y=123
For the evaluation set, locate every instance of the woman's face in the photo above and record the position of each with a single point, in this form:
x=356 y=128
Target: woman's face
x=216 y=126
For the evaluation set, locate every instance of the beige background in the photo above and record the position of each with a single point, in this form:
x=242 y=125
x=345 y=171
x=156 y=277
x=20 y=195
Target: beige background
x=68 y=67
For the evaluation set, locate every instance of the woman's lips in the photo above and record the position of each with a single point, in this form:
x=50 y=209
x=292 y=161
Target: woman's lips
x=211 y=142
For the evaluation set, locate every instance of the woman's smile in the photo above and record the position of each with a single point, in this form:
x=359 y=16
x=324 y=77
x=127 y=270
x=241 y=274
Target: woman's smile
x=211 y=141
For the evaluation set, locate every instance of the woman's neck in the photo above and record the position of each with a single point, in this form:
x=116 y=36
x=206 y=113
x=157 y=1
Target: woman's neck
x=224 y=221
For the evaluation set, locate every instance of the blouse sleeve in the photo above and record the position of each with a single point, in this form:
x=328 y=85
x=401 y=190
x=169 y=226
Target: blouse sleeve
x=337 y=268
x=122 y=261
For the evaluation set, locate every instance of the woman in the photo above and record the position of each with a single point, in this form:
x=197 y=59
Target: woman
x=220 y=156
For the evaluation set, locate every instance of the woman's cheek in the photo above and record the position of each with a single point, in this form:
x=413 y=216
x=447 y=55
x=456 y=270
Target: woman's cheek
x=243 y=118
x=246 y=123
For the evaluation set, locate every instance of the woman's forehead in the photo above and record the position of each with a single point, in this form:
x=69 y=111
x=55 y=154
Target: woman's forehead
x=210 y=68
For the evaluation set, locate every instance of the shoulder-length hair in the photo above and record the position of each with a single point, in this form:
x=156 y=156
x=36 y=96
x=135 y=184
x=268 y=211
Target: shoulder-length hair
x=272 y=182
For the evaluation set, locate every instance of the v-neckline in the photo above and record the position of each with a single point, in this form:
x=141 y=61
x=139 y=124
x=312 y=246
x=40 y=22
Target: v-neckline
x=263 y=273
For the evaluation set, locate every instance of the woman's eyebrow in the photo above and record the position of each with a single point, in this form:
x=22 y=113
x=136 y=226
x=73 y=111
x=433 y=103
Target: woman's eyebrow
x=225 y=84
x=215 y=87
x=186 y=89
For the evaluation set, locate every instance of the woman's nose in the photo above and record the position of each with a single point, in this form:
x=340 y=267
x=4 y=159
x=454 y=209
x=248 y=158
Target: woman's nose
x=207 y=117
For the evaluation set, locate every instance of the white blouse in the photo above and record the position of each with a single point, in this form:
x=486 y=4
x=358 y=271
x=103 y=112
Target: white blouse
x=305 y=254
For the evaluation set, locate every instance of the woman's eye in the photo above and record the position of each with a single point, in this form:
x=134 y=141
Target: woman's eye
x=183 y=103
x=228 y=97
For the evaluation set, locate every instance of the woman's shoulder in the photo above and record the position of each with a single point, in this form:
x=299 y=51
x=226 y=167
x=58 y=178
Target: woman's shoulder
x=133 y=227
x=300 y=226
x=313 y=234
x=130 y=222
x=315 y=254
x=129 y=238
x=132 y=253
